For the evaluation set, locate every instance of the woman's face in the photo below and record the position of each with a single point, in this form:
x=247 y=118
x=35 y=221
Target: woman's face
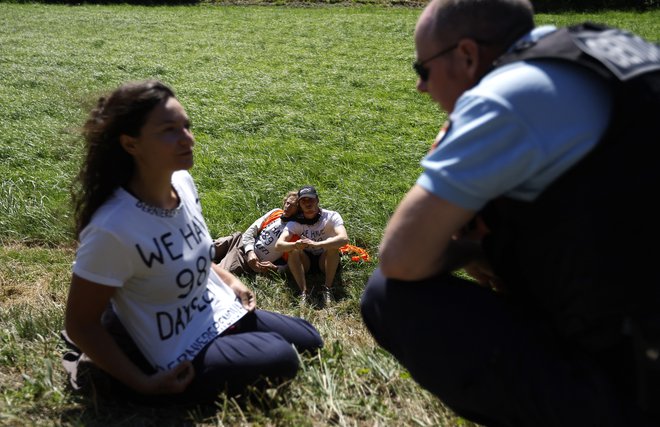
x=165 y=143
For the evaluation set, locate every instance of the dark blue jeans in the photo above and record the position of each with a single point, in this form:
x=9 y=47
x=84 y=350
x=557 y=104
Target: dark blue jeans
x=491 y=360
x=257 y=350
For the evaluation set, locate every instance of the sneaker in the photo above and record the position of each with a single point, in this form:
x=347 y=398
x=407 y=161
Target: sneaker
x=327 y=295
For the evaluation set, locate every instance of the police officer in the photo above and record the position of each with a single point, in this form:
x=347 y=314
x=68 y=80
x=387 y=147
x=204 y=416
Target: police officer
x=533 y=188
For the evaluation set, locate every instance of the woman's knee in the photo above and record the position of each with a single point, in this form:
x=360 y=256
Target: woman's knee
x=295 y=330
x=278 y=358
x=245 y=356
x=310 y=340
x=284 y=361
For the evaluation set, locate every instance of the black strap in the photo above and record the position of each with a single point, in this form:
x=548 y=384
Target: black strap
x=612 y=52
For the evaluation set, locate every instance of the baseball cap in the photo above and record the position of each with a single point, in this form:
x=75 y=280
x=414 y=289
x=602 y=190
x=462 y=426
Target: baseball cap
x=307 y=191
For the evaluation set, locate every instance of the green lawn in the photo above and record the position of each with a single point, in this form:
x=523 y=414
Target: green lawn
x=279 y=97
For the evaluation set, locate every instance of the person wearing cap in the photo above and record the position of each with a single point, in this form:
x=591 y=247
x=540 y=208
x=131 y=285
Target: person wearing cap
x=254 y=249
x=322 y=233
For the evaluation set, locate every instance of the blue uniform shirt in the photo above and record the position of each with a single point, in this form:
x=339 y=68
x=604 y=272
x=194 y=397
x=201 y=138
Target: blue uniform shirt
x=516 y=131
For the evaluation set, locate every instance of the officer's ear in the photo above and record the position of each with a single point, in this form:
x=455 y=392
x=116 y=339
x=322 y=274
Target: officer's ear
x=469 y=57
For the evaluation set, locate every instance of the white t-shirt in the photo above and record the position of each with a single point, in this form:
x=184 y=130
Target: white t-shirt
x=319 y=231
x=262 y=242
x=168 y=298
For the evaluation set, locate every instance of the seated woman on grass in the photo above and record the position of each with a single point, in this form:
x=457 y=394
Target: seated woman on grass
x=146 y=304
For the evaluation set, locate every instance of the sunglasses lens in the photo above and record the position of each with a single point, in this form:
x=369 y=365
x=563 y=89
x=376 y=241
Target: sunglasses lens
x=421 y=71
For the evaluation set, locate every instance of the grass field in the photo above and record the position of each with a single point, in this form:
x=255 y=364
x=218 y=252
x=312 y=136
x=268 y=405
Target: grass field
x=279 y=97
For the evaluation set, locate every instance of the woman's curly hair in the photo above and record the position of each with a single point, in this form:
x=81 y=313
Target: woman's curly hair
x=106 y=164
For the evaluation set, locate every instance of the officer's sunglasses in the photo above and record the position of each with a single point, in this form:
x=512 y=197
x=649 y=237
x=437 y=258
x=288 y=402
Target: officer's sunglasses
x=422 y=71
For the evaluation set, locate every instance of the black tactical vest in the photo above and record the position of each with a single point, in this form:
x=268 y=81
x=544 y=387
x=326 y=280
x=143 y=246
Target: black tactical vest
x=586 y=251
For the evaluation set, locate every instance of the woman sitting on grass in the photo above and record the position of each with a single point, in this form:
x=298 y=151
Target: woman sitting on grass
x=146 y=303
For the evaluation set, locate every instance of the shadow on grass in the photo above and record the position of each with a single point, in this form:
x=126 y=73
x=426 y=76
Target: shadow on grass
x=104 y=412
x=315 y=286
x=96 y=410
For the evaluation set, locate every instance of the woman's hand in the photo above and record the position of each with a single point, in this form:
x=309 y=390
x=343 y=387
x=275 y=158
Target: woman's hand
x=169 y=382
x=247 y=297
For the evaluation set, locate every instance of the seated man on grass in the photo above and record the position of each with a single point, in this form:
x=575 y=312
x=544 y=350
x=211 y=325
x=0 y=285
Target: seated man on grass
x=321 y=233
x=254 y=250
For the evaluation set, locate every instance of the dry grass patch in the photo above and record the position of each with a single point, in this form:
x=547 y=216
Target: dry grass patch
x=32 y=276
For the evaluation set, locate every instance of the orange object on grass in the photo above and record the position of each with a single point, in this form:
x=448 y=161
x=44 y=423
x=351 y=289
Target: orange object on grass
x=362 y=255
